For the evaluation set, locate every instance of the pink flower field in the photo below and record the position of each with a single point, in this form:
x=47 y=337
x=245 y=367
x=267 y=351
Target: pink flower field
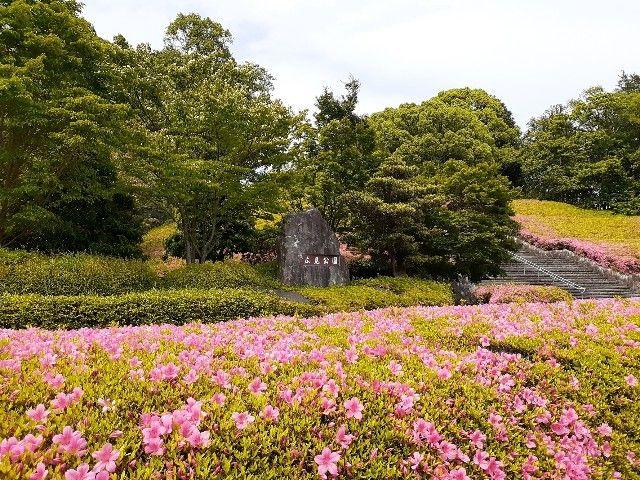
x=531 y=391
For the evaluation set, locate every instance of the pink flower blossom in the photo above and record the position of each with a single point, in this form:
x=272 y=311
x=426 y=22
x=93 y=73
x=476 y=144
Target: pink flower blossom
x=106 y=458
x=327 y=462
x=354 y=408
x=631 y=380
x=257 y=386
x=458 y=474
x=40 y=472
x=81 y=473
x=38 y=414
x=270 y=413
x=343 y=438
x=242 y=419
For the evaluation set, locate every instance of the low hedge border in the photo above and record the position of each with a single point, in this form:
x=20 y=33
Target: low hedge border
x=153 y=307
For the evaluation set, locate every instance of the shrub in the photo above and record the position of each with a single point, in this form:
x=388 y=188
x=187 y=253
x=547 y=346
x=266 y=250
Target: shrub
x=530 y=391
x=509 y=292
x=78 y=274
x=227 y=274
x=153 y=307
x=380 y=292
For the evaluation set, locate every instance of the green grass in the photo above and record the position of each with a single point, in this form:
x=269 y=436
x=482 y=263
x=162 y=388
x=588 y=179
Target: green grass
x=560 y=220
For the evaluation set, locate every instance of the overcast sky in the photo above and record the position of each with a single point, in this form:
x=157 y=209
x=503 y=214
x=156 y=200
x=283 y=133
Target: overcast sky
x=531 y=54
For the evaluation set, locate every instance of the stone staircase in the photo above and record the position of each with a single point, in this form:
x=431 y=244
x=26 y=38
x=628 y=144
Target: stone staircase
x=559 y=268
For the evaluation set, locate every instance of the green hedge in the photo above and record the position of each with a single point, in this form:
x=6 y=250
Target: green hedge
x=153 y=307
x=228 y=274
x=380 y=292
x=24 y=272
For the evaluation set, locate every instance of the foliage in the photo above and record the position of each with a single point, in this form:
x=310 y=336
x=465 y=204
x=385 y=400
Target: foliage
x=142 y=308
x=495 y=115
x=587 y=153
x=608 y=239
x=495 y=391
x=22 y=272
x=228 y=274
x=378 y=293
x=59 y=131
x=509 y=292
x=214 y=136
x=452 y=221
x=337 y=155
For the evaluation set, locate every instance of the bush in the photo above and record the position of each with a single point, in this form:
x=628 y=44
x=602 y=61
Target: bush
x=227 y=274
x=509 y=292
x=79 y=274
x=154 y=307
x=380 y=292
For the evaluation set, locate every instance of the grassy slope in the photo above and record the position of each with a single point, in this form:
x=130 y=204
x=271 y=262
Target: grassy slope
x=560 y=220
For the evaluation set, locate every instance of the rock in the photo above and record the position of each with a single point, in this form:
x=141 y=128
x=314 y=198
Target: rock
x=309 y=252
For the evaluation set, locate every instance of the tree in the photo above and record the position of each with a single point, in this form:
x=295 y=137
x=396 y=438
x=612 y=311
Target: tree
x=448 y=223
x=495 y=115
x=215 y=135
x=438 y=204
x=588 y=152
x=337 y=155
x=59 y=133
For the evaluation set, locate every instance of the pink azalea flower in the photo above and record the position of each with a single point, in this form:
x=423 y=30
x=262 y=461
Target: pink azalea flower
x=415 y=460
x=154 y=446
x=395 y=368
x=81 y=473
x=458 y=474
x=106 y=458
x=631 y=380
x=270 y=413
x=257 y=386
x=70 y=441
x=605 y=430
x=327 y=462
x=219 y=399
x=38 y=414
x=242 y=419
x=354 y=408
x=40 y=472
x=343 y=438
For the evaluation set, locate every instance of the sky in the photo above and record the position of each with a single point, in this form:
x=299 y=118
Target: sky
x=531 y=54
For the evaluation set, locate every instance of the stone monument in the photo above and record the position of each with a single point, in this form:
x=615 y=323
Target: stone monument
x=309 y=252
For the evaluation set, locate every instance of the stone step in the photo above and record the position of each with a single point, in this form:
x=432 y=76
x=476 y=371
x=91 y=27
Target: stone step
x=595 y=284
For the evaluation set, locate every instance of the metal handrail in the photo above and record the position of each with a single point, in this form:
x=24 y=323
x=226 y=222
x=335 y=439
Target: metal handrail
x=555 y=276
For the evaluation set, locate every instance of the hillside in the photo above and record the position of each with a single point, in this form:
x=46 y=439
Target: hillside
x=609 y=239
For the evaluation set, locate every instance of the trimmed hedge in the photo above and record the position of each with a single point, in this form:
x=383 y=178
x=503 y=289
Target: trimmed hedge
x=227 y=274
x=380 y=292
x=153 y=307
x=25 y=272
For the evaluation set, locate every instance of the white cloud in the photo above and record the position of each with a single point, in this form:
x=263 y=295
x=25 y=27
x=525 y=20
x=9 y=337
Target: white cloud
x=531 y=54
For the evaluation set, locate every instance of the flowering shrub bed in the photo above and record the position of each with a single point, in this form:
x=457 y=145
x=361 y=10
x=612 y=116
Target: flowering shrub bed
x=529 y=391
x=608 y=239
x=511 y=292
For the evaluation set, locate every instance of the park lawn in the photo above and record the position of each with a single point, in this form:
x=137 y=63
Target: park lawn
x=609 y=239
x=457 y=393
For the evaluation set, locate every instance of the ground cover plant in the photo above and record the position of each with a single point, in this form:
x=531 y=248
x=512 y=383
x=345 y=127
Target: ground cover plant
x=532 y=391
x=609 y=239
x=511 y=292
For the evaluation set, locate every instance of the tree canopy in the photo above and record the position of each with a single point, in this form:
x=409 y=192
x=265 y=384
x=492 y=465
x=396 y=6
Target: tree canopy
x=59 y=129
x=588 y=152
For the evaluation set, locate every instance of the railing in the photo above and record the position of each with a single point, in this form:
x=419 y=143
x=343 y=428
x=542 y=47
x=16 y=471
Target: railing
x=548 y=273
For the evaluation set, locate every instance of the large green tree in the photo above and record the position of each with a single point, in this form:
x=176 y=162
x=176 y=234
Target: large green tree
x=337 y=155
x=588 y=152
x=214 y=135
x=60 y=130
x=438 y=204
